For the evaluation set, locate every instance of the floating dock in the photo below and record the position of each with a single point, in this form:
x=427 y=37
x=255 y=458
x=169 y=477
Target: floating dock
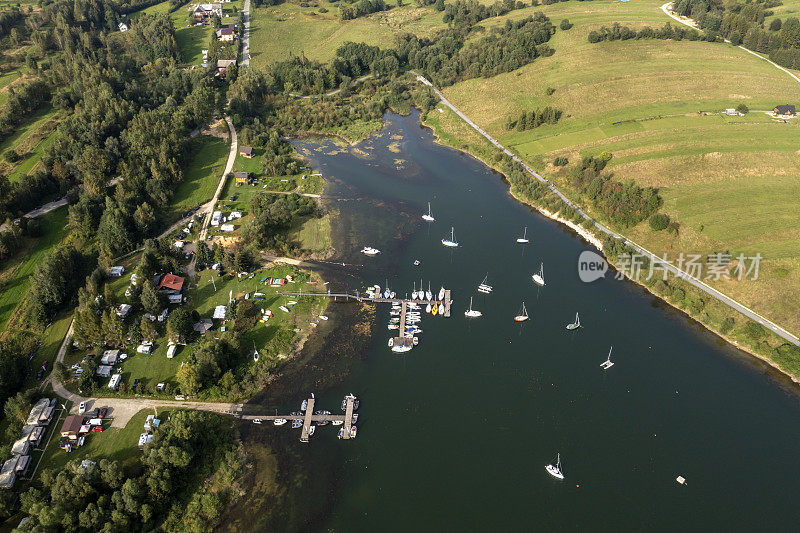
x=309 y=417
x=443 y=304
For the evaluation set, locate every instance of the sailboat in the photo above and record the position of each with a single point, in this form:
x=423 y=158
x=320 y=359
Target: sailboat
x=414 y=293
x=483 y=287
x=435 y=309
x=472 y=313
x=607 y=363
x=428 y=217
x=523 y=314
x=538 y=278
x=428 y=308
x=524 y=238
x=555 y=470
x=429 y=294
x=451 y=242
x=441 y=294
x=576 y=324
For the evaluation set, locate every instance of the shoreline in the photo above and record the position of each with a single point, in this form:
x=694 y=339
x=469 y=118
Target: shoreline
x=592 y=239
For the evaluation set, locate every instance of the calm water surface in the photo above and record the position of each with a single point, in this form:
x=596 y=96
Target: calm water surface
x=455 y=434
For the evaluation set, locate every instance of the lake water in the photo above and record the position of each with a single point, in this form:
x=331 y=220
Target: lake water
x=455 y=434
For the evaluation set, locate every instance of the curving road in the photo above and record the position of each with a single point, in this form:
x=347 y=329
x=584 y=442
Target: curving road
x=638 y=248
x=228 y=168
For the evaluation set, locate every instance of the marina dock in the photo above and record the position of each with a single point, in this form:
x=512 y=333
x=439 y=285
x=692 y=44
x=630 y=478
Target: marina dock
x=309 y=417
x=444 y=303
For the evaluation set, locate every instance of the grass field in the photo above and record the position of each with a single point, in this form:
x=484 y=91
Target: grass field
x=27 y=129
x=278 y=32
x=655 y=105
x=201 y=175
x=16 y=276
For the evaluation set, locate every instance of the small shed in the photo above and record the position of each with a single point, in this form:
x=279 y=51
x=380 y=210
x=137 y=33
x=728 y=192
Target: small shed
x=203 y=325
x=175 y=298
x=246 y=151
x=72 y=424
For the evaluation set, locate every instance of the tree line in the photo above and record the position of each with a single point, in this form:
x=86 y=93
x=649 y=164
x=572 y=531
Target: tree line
x=361 y=8
x=528 y=120
x=617 y=32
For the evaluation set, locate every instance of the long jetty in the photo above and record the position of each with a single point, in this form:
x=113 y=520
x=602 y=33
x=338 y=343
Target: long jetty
x=308 y=417
x=443 y=304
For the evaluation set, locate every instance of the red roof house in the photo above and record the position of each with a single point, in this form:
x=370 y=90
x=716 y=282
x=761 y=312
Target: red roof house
x=171 y=282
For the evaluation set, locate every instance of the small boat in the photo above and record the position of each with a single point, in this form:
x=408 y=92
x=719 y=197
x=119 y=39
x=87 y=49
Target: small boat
x=415 y=341
x=428 y=308
x=524 y=238
x=295 y=413
x=401 y=348
x=538 y=278
x=576 y=324
x=323 y=317
x=341 y=433
x=435 y=309
x=607 y=363
x=337 y=422
x=368 y=250
x=353 y=432
x=279 y=421
x=282 y=308
x=441 y=294
x=344 y=404
x=391 y=342
x=255 y=356
x=451 y=242
x=428 y=217
x=393 y=326
x=387 y=293
x=472 y=313
x=483 y=287
x=429 y=294
x=354 y=419
x=297 y=424
x=304 y=405
x=311 y=430
x=523 y=314
x=555 y=470
x=416 y=262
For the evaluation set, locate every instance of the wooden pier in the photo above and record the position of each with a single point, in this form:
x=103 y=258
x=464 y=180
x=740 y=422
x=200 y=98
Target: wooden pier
x=443 y=304
x=309 y=417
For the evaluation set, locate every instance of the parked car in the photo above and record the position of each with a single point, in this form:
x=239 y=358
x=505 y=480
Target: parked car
x=103 y=412
x=82 y=408
x=256 y=421
x=98 y=429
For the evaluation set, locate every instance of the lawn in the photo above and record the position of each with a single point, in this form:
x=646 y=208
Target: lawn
x=278 y=32
x=27 y=128
x=201 y=176
x=113 y=443
x=16 y=277
x=728 y=181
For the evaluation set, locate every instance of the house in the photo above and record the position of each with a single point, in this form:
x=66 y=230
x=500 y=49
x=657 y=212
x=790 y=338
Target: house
x=227 y=227
x=104 y=371
x=71 y=426
x=204 y=11
x=124 y=310
x=784 y=111
x=242 y=178
x=109 y=357
x=216 y=218
x=116 y=379
x=246 y=151
x=219 y=312
x=116 y=271
x=203 y=325
x=171 y=283
x=21 y=446
x=226 y=35
x=122 y=27
x=222 y=67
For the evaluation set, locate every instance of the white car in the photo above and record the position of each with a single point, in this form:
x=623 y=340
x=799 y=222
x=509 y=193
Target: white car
x=257 y=421
x=82 y=408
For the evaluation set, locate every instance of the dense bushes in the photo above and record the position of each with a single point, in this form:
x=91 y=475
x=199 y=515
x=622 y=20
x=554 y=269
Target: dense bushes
x=533 y=119
x=466 y=13
x=361 y=8
x=659 y=221
x=618 y=32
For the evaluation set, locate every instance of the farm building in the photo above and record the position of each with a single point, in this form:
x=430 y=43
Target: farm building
x=204 y=11
x=246 y=151
x=784 y=111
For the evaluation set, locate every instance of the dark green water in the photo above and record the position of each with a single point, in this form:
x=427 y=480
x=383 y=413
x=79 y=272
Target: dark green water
x=455 y=434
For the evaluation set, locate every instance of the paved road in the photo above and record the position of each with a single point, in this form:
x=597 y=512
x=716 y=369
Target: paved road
x=246 y=34
x=228 y=169
x=667 y=9
x=638 y=248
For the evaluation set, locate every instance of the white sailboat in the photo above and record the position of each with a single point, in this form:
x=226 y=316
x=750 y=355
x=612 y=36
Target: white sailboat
x=451 y=242
x=605 y=365
x=555 y=470
x=368 y=250
x=429 y=294
x=538 y=278
x=472 y=313
x=428 y=308
x=523 y=314
x=414 y=293
x=441 y=294
x=483 y=287
x=428 y=217
x=524 y=238
x=576 y=324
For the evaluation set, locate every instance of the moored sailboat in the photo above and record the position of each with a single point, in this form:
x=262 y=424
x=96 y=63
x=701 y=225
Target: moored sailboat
x=451 y=242
x=472 y=313
x=538 y=278
x=428 y=217
x=605 y=365
x=555 y=470
x=576 y=324
x=524 y=238
x=523 y=314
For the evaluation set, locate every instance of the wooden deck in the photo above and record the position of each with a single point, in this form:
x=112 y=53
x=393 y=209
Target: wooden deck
x=307 y=420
